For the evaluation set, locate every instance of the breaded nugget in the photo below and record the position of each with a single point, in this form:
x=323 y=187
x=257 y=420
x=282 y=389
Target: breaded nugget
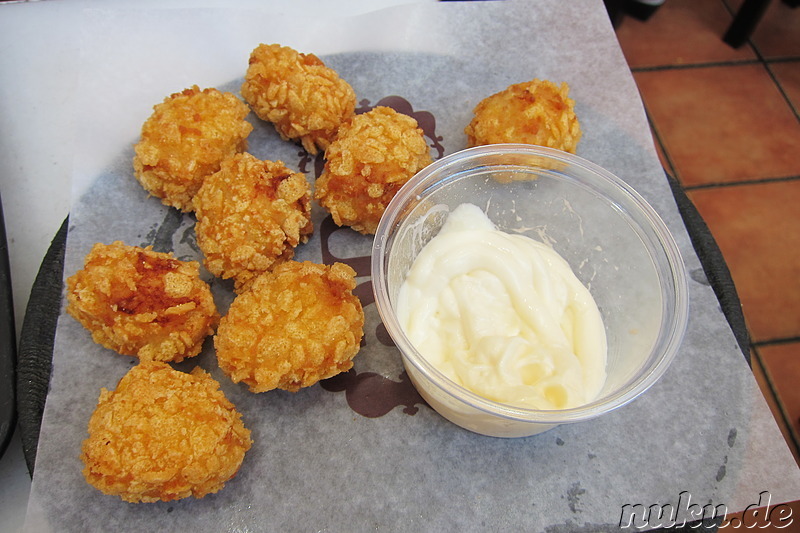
x=298 y=324
x=374 y=154
x=185 y=139
x=163 y=435
x=142 y=303
x=304 y=99
x=535 y=112
x=250 y=215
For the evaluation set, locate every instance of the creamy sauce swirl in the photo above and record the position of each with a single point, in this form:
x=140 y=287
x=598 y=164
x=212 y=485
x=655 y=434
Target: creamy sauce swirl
x=504 y=316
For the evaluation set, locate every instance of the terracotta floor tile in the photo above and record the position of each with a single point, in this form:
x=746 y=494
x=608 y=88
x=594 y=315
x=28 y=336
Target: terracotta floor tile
x=788 y=76
x=680 y=32
x=782 y=366
x=722 y=124
x=757 y=228
x=769 y=396
x=777 y=32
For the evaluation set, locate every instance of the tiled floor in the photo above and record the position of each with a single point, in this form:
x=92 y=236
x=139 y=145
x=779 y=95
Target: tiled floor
x=727 y=125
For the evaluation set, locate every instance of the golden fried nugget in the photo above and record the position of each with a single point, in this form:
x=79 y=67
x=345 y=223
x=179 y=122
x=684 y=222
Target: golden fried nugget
x=142 y=303
x=373 y=155
x=250 y=215
x=298 y=324
x=163 y=435
x=535 y=112
x=185 y=139
x=303 y=98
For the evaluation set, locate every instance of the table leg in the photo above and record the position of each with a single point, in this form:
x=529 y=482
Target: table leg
x=745 y=22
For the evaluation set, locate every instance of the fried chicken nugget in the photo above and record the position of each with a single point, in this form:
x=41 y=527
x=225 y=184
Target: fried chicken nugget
x=163 y=435
x=535 y=112
x=250 y=215
x=373 y=155
x=303 y=98
x=142 y=303
x=185 y=139
x=298 y=324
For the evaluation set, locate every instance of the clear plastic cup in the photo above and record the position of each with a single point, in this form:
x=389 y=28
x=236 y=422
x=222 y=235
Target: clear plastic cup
x=615 y=242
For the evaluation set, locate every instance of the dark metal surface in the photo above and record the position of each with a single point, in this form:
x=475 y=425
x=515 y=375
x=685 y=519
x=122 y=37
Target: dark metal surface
x=715 y=268
x=8 y=344
x=36 y=345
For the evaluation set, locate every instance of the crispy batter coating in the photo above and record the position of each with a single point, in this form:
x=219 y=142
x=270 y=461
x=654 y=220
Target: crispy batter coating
x=185 y=139
x=250 y=215
x=374 y=155
x=298 y=324
x=303 y=98
x=535 y=112
x=142 y=303
x=163 y=435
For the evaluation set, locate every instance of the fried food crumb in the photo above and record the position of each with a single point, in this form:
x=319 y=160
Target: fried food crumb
x=142 y=303
x=373 y=155
x=163 y=435
x=298 y=324
x=250 y=215
x=535 y=112
x=303 y=98
x=185 y=139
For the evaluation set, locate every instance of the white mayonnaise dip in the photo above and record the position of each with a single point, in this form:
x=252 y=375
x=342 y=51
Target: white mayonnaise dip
x=504 y=316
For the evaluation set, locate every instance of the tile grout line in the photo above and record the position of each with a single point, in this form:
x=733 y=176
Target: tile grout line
x=730 y=9
x=780 y=60
x=781 y=90
x=781 y=407
x=691 y=66
x=772 y=76
x=766 y=63
x=775 y=342
x=753 y=181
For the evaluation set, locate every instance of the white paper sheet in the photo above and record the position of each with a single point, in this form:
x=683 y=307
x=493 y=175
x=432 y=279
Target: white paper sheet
x=317 y=464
